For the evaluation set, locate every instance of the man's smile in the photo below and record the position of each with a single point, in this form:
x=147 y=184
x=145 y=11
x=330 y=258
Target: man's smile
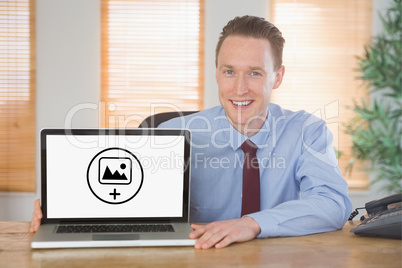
x=242 y=103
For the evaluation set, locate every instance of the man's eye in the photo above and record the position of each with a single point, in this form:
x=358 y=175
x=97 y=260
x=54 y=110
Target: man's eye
x=228 y=72
x=255 y=74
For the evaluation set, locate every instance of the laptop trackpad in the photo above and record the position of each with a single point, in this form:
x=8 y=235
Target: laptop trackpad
x=107 y=237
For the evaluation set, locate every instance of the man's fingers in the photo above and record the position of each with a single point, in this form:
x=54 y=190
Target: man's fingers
x=202 y=233
x=229 y=239
x=209 y=235
x=223 y=233
x=34 y=227
x=213 y=239
x=36 y=216
x=37 y=209
x=202 y=242
x=198 y=231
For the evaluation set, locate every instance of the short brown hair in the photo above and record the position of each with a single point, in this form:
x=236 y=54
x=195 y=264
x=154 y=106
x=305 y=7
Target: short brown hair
x=256 y=27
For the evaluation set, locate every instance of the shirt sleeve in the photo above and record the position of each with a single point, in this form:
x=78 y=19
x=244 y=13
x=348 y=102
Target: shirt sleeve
x=324 y=204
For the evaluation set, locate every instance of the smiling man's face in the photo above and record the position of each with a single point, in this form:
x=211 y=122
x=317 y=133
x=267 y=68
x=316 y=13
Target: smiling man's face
x=246 y=78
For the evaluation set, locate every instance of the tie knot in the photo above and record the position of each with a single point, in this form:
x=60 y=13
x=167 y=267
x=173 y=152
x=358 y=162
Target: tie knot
x=249 y=147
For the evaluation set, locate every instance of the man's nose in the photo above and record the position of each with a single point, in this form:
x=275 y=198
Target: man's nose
x=241 y=87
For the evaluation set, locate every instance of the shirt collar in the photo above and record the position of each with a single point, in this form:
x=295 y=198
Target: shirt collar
x=236 y=139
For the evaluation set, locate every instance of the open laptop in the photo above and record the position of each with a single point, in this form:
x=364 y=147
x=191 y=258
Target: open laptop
x=114 y=188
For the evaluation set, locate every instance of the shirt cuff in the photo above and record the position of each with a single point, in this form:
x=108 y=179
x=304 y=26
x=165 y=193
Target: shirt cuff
x=267 y=223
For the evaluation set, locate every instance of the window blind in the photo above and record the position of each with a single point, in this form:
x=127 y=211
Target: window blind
x=17 y=96
x=152 y=59
x=323 y=39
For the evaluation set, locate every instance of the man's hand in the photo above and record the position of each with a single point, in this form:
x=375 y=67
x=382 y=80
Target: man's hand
x=36 y=216
x=223 y=233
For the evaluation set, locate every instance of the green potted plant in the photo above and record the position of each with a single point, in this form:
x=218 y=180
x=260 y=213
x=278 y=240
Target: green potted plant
x=377 y=128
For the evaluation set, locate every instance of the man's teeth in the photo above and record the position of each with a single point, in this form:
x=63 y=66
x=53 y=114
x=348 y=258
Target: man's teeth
x=241 y=103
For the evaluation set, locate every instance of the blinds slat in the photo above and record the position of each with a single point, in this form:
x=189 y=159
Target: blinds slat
x=151 y=53
x=17 y=96
x=322 y=40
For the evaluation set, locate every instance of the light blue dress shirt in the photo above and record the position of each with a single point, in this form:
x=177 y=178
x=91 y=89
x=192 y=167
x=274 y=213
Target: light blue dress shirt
x=302 y=188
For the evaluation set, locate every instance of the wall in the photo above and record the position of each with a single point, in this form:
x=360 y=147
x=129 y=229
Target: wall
x=68 y=72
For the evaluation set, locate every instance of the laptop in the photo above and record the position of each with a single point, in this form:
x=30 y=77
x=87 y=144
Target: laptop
x=114 y=188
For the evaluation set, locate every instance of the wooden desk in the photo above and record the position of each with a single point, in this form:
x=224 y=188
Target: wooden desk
x=335 y=249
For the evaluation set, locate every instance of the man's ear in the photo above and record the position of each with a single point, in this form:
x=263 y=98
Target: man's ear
x=279 y=77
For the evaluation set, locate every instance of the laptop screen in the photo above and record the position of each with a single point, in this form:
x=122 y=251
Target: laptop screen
x=115 y=174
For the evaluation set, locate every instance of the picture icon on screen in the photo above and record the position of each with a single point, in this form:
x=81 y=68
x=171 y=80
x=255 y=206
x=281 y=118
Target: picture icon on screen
x=115 y=175
x=115 y=170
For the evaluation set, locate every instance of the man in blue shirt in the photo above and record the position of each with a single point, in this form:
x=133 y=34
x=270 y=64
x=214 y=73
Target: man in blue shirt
x=301 y=188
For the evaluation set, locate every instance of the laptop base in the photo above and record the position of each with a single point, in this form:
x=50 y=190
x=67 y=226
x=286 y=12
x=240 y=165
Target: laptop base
x=46 y=238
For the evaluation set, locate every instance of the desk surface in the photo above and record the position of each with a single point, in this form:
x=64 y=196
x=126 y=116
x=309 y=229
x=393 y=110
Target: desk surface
x=334 y=249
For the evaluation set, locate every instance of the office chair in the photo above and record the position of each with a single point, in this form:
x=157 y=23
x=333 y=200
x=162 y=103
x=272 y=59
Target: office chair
x=155 y=120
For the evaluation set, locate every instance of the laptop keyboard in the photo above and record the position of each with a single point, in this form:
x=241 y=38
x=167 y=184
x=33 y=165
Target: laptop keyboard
x=118 y=228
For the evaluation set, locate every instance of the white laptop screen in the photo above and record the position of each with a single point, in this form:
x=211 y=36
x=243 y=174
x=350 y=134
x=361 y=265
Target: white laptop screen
x=106 y=175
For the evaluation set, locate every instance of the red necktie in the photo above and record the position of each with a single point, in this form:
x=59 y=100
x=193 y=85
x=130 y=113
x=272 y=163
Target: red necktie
x=251 y=179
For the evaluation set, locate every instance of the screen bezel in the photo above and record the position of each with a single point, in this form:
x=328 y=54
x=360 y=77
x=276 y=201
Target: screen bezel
x=140 y=131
